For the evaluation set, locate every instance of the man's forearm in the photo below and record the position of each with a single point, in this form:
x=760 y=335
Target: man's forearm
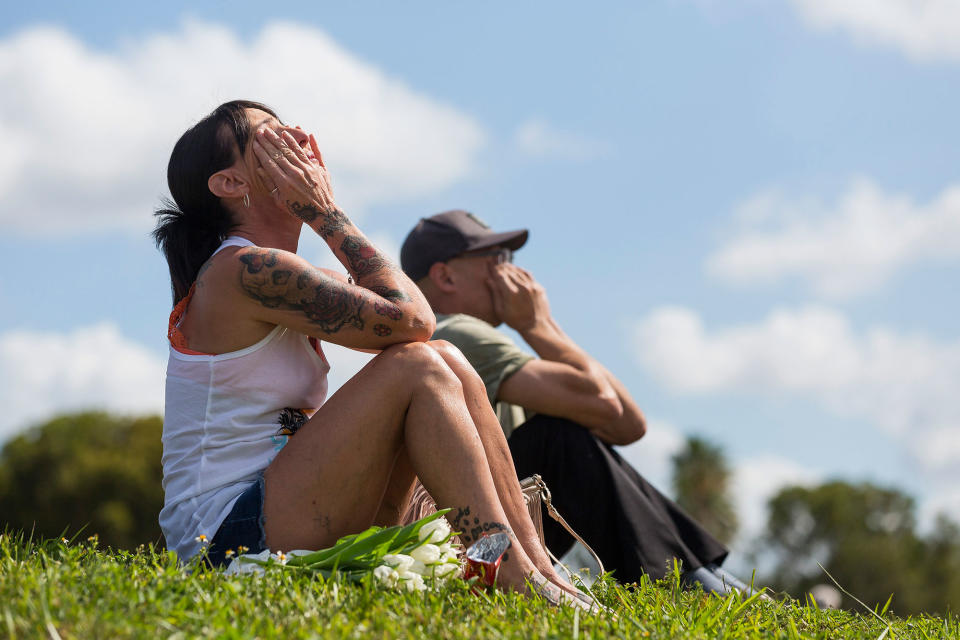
x=550 y=342
x=632 y=424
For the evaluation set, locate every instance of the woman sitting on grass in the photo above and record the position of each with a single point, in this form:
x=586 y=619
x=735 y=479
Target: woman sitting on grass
x=253 y=457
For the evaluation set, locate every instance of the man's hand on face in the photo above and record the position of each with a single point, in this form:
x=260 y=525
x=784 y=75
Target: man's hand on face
x=518 y=299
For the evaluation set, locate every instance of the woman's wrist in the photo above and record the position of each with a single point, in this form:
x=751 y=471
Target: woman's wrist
x=331 y=221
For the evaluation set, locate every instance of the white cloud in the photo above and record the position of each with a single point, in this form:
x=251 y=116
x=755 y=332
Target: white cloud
x=89 y=368
x=87 y=134
x=922 y=29
x=539 y=139
x=652 y=455
x=839 y=250
x=905 y=384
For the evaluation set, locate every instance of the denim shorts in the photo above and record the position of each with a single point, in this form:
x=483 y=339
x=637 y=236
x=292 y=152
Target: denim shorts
x=243 y=527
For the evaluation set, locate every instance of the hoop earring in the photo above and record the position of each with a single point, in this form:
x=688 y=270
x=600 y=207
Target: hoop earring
x=246 y=199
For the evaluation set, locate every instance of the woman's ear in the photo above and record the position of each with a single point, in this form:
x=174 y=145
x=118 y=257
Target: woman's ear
x=228 y=183
x=442 y=277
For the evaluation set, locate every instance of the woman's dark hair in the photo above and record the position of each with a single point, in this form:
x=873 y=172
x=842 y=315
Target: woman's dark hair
x=191 y=227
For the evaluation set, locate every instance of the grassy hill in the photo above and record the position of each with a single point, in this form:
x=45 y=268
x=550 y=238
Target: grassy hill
x=57 y=589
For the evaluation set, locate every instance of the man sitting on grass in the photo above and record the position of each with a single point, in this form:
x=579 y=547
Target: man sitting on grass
x=561 y=412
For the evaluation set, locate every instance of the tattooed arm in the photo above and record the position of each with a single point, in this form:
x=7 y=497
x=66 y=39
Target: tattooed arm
x=282 y=288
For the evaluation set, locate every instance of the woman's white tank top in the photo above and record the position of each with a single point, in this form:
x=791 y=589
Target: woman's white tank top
x=226 y=417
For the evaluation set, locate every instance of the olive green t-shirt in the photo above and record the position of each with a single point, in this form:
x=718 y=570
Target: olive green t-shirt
x=494 y=356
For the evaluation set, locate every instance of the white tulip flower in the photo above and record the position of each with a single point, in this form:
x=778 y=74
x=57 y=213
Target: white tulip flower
x=386 y=576
x=446 y=570
x=412 y=581
x=399 y=561
x=419 y=568
x=435 y=531
x=426 y=553
x=448 y=552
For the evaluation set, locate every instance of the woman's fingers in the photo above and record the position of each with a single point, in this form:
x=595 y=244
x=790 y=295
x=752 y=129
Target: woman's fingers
x=294 y=146
x=280 y=151
x=288 y=166
x=316 y=151
x=269 y=161
x=280 y=161
x=268 y=184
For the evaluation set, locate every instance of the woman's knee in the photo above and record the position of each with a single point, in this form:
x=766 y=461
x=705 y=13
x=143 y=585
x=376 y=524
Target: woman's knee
x=449 y=352
x=456 y=361
x=416 y=362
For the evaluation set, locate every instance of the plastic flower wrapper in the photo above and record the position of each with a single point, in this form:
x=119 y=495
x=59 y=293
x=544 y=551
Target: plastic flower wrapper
x=395 y=557
x=248 y=563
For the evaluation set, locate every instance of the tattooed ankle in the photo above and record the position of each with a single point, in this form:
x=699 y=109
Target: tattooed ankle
x=472 y=528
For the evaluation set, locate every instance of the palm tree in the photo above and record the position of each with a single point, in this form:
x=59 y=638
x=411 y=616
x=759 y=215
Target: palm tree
x=701 y=484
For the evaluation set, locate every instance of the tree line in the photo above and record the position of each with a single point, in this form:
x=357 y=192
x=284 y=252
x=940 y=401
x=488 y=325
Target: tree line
x=95 y=473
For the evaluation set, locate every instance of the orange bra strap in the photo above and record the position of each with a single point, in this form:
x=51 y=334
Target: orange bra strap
x=177 y=340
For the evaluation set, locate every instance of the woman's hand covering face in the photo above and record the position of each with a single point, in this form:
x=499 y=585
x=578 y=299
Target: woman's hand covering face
x=295 y=176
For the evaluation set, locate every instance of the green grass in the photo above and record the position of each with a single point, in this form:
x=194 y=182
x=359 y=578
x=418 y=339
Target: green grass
x=75 y=590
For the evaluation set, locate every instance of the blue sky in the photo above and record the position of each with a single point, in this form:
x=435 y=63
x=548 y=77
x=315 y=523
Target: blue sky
x=749 y=211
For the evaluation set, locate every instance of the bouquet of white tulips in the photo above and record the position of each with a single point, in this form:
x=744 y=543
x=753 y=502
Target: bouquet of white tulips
x=411 y=557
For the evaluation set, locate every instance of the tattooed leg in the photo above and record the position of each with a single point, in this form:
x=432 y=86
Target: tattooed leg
x=472 y=528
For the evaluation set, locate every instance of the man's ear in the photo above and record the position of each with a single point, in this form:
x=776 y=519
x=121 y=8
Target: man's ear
x=442 y=277
x=228 y=183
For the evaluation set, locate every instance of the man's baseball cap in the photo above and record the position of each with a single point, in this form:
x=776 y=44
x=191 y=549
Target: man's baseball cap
x=447 y=235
